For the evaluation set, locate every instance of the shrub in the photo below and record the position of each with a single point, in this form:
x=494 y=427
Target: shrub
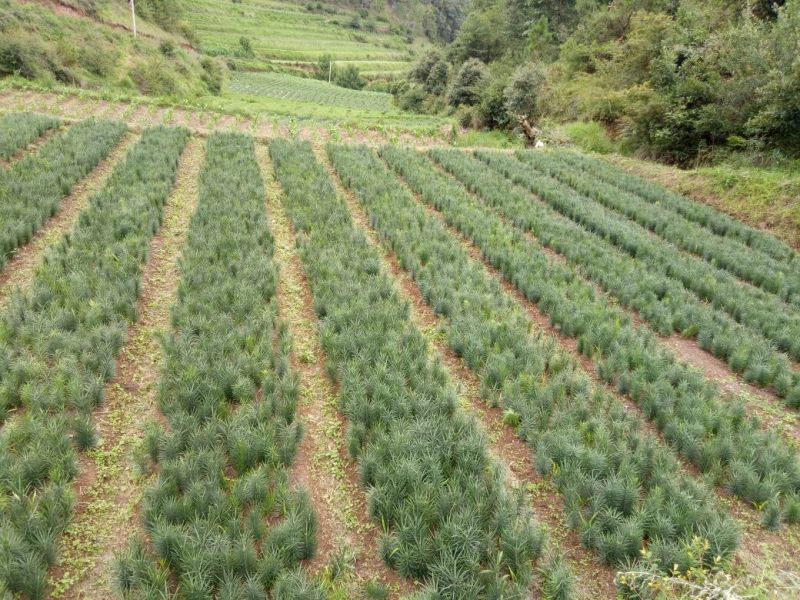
x=466 y=85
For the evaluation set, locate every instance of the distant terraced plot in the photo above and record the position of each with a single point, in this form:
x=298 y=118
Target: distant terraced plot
x=288 y=32
x=288 y=87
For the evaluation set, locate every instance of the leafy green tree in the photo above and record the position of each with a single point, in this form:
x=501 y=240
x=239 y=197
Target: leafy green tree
x=349 y=77
x=436 y=82
x=523 y=92
x=466 y=86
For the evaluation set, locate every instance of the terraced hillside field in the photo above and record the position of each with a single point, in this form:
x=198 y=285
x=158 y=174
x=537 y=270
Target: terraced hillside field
x=266 y=367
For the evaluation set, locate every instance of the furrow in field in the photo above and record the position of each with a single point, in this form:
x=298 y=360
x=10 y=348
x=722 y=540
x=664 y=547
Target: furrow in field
x=20 y=268
x=593 y=579
x=322 y=466
x=109 y=490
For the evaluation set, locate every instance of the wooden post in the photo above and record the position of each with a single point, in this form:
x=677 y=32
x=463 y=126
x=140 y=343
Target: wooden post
x=133 y=17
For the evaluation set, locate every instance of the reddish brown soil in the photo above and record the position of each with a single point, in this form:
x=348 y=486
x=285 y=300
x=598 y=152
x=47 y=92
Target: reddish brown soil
x=322 y=466
x=108 y=490
x=19 y=270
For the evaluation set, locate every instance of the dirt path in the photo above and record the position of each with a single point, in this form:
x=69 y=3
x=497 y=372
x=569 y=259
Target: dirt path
x=759 y=547
x=108 y=490
x=322 y=466
x=20 y=268
x=593 y=579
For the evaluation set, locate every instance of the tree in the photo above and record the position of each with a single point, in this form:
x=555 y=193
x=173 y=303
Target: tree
x=349 y=77
x=436 y=82
x=523 y=92
x=466 y=86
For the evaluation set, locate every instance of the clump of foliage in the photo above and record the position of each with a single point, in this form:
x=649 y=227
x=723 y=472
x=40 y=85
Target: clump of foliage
x=33 y=188
x=229 y=398
x=58 y=346
x=432 y=486
x=349 y=77
x=679 y=80
x=17 y=130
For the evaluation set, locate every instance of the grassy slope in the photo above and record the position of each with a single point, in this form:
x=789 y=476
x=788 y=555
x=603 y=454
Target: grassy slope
x=766 y=198
x=287 y=31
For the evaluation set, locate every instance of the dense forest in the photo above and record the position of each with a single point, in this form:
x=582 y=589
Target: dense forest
x=677 y=80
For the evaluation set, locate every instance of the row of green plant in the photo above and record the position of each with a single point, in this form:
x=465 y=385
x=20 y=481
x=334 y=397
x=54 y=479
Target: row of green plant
x=301 y=89
x=447 y=518
x=651 y=279
x=775 y=276
x=707 y=216
x=17 y=130
x=32 y=190
x=716 y=436
x=58 y=346
x=221 y=517
x=620 y=489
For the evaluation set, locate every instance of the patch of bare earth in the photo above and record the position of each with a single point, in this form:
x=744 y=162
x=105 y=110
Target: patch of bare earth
x=108 y=490
x=759 y=547
x=593 y=579
x=20 y=268
x=322 y=466
x=33 y=147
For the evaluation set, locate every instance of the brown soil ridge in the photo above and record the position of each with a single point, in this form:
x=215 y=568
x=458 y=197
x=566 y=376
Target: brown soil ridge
x=20 y=268
x=593 y=579
x=32 y=147
x=322 y=466
x=758 y=546
x=108 y=490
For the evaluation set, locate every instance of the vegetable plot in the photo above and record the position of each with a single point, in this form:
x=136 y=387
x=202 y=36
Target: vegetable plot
x=620 y=488
x=221 y=517
x=17 y=130
x=446 y=516
x=32 y=190
x=58 y=346
x=648 y=277
x=774 y=276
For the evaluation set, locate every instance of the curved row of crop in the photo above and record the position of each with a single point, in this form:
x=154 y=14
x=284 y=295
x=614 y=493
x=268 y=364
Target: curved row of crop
x=432 y=485
x=621 y=490
x=17 y=130
x=59 y=344
x=715 y=436
x=639 y=279
x=229 y=398
x=707 y=216
x=32 y=190
x=774 y=276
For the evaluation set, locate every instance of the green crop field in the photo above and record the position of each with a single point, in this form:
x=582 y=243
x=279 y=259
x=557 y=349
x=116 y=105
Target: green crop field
x=266 y=337
x=289 y=87
x=387 y=326
x=289 y=32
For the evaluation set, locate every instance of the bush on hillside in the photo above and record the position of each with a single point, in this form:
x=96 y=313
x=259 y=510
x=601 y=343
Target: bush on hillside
x=349 y=77
x=466 y=86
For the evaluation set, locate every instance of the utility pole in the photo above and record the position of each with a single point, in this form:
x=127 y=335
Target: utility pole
x=330 y=67
x=133 y=17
